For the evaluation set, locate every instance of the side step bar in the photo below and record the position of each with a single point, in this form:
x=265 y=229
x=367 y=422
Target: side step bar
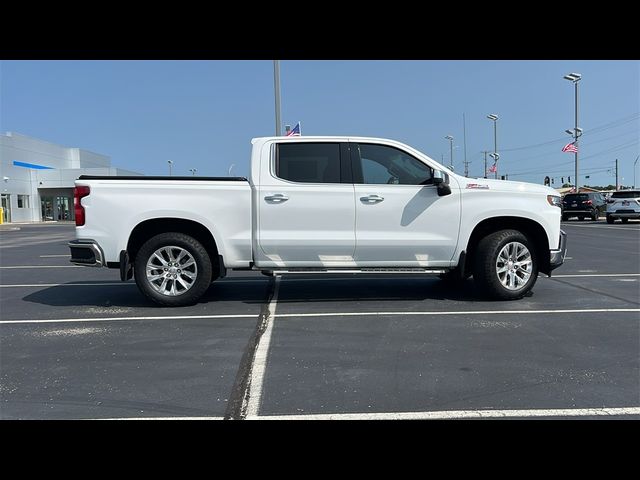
x=388 y=271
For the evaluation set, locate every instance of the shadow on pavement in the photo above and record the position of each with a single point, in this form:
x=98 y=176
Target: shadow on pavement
x=255 y=292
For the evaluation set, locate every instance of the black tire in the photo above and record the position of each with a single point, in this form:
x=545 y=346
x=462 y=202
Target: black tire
x=485 y=272
x=609 y=219
x=565 y=218
x=624 y=220
x=581 y=217
x=182 y=241
x=594 y=215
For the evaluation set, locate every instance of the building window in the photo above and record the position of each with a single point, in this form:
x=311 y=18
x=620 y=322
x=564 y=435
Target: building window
x=23 y=201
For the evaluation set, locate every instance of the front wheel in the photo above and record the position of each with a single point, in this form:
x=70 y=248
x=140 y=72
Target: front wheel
x=610 y=219
x=505 y=265
x=173 y=269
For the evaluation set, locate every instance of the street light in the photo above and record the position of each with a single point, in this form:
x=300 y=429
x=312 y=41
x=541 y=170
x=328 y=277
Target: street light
x=575 y=78
x=193 y=171
x=450 y=138
x=170 y=162
x=634 y=172
x=494 y=118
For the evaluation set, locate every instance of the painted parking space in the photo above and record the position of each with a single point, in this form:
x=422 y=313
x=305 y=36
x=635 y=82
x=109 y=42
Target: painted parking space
x=89 y=346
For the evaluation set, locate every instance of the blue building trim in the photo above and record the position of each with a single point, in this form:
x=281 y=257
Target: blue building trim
x=31 y=165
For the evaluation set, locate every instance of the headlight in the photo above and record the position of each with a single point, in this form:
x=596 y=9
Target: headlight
x=555 y=201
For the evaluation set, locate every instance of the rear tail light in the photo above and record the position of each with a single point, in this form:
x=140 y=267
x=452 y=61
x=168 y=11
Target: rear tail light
x=78 y=194
x=588 y=202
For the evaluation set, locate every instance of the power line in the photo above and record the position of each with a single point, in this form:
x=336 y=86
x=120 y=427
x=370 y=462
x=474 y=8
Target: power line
x=596 y=130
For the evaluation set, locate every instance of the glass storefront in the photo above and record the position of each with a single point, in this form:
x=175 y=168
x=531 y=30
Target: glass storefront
x=6 y=208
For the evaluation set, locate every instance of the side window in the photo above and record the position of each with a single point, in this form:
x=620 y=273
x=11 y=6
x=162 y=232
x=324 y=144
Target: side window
x=308 y=162
x=381 y=164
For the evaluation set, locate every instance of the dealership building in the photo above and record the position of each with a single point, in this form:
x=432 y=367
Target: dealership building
x=37 y=177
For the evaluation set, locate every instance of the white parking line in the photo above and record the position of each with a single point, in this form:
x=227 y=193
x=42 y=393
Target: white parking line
x=45 y=266
x=111 y=284
x=603 y=226
x=256 y=376
x=571 y=275
x=324 y=314
x=30 y=285
x=460 y=312
x=52 y=256
x=156 y=418
x=460 y=414
x=118 y=319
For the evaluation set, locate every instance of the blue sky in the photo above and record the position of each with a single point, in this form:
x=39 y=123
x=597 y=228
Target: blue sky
x=202 y=114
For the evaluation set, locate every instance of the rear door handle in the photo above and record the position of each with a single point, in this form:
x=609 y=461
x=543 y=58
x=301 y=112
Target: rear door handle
x=276 y=198
x=372 y=199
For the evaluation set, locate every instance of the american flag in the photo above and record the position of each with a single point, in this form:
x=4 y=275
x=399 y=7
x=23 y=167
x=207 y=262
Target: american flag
x=570 y=148
x=493 y=168
x=295 y=131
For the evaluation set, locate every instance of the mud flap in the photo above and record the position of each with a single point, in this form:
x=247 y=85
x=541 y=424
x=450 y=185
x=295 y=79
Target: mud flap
x=126 y=269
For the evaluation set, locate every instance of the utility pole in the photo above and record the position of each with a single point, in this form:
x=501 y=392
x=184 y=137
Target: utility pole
x=494 y=118
x=170 y=162
x=276 y=82
x=635 y=185
x=575 y=78
x=617 y=184
x=450 y=138
x=485 y=164
x=464 y=133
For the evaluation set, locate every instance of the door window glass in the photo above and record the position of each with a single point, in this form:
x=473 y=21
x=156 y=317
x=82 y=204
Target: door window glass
x=382 y=164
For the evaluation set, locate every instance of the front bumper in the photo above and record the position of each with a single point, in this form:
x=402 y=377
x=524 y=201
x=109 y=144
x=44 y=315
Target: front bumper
x=86 y=252
x=557 y=256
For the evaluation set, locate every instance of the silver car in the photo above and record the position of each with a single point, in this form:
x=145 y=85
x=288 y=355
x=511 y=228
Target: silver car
x=624 y=205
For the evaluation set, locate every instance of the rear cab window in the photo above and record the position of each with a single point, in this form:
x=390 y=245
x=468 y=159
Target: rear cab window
x=627 y=194
x=308 y=162
x=576 y=197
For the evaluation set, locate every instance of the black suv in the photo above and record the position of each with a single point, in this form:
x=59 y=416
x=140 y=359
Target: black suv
x=583 y=205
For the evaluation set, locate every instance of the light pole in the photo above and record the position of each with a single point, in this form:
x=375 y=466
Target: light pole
x=575 y=78
x=494 y=118
x=634 y=172
x=193 y=171
x=450 y=138
x=170 y=162
x=276 y=85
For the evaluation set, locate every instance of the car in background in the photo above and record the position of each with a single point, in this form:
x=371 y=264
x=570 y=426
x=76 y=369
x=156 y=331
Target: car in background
x=581 y=205
x=623 y=205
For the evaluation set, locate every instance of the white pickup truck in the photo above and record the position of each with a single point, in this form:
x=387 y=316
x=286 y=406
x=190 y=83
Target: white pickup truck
x=319 y=205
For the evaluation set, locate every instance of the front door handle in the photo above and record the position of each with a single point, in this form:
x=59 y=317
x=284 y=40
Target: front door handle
x=276 y=198
x=372 y=199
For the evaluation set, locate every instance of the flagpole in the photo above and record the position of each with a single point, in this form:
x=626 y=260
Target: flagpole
x=276 y=85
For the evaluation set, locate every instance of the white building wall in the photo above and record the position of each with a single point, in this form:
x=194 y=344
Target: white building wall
x=66 y=165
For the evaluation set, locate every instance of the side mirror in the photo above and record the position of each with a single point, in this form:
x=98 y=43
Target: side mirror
x=441 y=181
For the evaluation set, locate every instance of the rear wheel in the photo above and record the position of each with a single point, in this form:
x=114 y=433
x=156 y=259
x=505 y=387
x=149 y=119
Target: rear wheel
x=173 y=269
x=624 y=220
x=594 y=215
x=565 y=218
x=581 y=217
x=505 y=265
x=610 y=219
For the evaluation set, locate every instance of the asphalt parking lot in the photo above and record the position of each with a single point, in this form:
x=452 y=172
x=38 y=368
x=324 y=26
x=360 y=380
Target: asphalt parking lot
x=76 y=343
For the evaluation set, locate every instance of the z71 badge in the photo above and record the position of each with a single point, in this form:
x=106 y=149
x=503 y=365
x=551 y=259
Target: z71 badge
x=477 y=185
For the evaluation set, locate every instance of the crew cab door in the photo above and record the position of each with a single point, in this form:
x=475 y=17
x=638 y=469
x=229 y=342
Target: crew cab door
x=400 y=219
x=305 y=202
